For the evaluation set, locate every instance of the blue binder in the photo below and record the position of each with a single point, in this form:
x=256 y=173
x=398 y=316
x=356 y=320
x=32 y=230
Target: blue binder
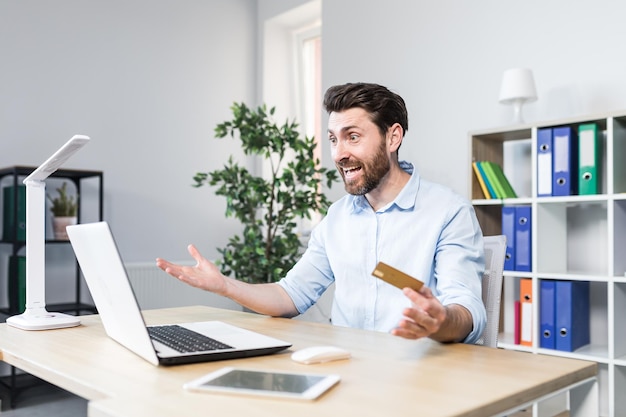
x=547 y=289
x=523 y=253
x=508 y=230
x=544 y=162
x=572 y=315
x=564 y=162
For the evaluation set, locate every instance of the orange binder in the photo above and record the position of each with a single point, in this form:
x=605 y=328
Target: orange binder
x=526 y=313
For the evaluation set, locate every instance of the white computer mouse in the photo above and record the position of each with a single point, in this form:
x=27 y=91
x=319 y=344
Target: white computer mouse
x=319 y=354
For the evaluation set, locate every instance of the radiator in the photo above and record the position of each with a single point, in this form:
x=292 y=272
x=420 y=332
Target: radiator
x=156 y=289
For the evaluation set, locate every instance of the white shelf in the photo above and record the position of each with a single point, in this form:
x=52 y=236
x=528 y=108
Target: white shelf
x=577 y=237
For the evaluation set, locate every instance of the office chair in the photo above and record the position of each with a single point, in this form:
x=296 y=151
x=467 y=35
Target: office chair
x=495 y=251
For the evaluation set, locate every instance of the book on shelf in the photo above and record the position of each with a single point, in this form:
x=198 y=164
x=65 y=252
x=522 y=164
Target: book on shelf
x=493 y=179
x=480 y=176
x=495 y=182
x=507 y=189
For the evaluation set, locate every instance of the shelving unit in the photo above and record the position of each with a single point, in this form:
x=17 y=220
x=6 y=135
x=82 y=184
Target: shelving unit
x=13 y=176
x=577 y=237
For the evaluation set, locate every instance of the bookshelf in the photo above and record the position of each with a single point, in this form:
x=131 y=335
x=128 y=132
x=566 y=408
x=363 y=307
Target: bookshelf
x=575 y=237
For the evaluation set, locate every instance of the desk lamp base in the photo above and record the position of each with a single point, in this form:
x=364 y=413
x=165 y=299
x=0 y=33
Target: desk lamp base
x=40 y=319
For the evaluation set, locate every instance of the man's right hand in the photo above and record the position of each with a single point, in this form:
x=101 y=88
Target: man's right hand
x=270 y=299
x=204 y=274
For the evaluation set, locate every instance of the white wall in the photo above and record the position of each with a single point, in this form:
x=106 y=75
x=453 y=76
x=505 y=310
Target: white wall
x=147 y=80
x=446 y=59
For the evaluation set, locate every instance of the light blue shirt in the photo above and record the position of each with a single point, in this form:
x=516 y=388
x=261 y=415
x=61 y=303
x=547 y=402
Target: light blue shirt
x=428 y=231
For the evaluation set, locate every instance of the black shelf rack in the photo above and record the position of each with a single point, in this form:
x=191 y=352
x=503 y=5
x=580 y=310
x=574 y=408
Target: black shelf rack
x=17 y=174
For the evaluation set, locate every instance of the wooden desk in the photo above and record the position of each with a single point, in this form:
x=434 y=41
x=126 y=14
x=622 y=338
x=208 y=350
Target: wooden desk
x=387 y=375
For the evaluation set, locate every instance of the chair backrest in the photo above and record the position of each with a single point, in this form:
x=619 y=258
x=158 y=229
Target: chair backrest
x=495 y=252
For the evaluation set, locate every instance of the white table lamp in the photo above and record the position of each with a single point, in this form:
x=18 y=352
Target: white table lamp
x=518 y=87
x=36 y=317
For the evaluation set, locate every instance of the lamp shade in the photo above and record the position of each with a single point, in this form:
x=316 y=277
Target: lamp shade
x=518 y=84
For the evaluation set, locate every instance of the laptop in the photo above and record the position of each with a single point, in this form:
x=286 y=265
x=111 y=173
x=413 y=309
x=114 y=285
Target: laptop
x=106 y=277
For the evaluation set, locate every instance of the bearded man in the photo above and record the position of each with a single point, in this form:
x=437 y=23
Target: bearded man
x=390 y=214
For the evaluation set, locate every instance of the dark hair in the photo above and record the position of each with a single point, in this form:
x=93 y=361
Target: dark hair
x=384 y=106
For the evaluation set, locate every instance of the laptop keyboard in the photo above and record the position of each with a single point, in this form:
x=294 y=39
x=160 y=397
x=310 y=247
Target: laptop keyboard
x=184 y=340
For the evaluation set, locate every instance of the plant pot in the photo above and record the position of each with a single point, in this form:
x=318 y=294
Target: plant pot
x=60 y=223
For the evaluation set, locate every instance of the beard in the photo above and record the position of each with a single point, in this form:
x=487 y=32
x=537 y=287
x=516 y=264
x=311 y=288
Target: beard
x=373 y=171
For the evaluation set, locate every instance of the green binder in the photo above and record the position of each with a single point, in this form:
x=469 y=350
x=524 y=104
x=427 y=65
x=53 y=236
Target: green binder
x=588 y=159
x=11 y=218
x=17 y=284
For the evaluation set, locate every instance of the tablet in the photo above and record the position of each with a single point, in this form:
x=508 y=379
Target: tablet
x=396 y=277
x=228 y=380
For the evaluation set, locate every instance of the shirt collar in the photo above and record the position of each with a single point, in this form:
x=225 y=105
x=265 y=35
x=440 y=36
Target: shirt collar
x=404 y=200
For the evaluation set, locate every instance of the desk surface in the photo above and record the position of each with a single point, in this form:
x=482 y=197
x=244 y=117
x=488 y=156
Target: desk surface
x=386 y=376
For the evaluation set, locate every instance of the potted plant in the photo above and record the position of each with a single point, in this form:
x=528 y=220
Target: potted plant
x=270 y=207
x=64 y=208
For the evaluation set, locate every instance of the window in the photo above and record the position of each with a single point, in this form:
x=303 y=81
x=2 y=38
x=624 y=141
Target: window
x=308 y=52
x=291 y=76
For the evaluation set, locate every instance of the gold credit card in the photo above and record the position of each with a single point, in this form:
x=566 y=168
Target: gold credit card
x=396 y=277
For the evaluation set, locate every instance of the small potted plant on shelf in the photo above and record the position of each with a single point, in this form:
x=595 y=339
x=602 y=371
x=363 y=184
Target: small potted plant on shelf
x=64 y=209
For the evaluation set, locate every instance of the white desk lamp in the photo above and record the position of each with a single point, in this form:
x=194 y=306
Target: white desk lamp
x=36 y=317
x=518 y=87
